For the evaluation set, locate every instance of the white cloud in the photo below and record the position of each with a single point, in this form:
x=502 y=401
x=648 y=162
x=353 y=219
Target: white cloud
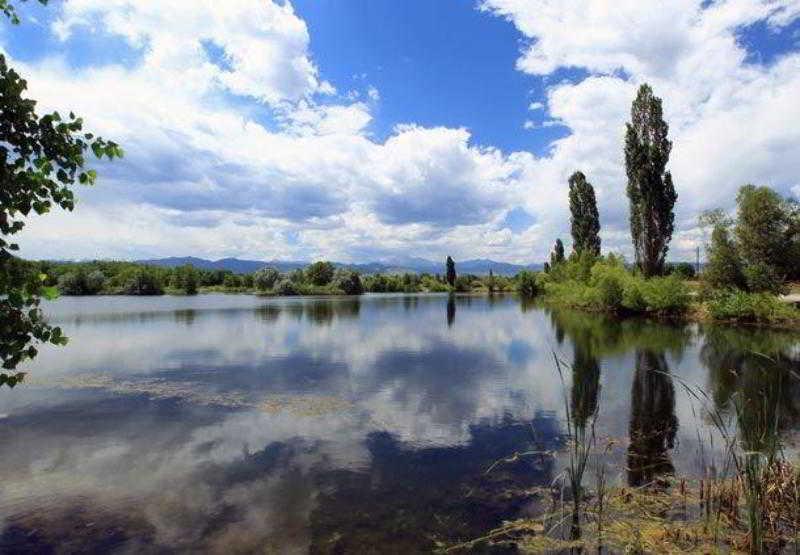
x=264 y=44
x=731 y=121
x=373 y=94
x=529 y=124
x=286 y=169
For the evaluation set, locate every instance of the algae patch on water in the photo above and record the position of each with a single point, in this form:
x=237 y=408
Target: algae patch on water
x=304 y=405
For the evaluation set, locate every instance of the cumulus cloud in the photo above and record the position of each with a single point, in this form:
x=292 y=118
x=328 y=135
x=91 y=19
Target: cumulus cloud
x=236 y=145
x=732 y=121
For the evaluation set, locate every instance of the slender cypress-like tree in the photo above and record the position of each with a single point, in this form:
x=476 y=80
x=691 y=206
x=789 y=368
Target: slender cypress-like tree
x=451 y=271
x=650 y=190
x=557 y=256
x=585 y=220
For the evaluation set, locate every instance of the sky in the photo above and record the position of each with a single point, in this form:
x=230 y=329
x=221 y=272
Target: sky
x=361 y=130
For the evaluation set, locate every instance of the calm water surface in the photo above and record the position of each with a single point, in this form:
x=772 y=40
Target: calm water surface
x=233 y=424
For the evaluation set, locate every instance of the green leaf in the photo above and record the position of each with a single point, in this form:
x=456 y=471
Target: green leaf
x=50 y=293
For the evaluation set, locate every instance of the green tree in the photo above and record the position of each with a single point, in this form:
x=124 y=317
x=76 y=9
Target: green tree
x=526 y=284
x=650 y=190
x=724 y=265
x=585 y=220
x=95 y=282
x=557 y=256
x=764 y=235
x=41 y=158
x=450 y=267
x=189 y=280
x=349 y=282
x=320 y=273
x=266 y=278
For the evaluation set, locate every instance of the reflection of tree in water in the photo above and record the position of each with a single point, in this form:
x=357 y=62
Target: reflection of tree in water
x=758 y=369
x=451 y=310
x=653 y=423
x=410 y=497
x=320 y=312
x=606 y=336
x=585 y=386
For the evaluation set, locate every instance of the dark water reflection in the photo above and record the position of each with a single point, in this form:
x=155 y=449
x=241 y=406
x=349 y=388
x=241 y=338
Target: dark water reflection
x=236 y=424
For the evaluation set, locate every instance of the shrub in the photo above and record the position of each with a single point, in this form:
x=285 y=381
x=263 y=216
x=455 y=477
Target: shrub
x=763 y=277
x=526 y=284
x=286 y=287
x=72 y=283
x=266 y=278
x=463 y=284
x=232 y=281
x=349 y=282
x=684 y=270
x=632 y=296
x=749 y=307
x=143 y=282
x=320 y=273
x=95 y=282
x=609 y=292
x=665 y=294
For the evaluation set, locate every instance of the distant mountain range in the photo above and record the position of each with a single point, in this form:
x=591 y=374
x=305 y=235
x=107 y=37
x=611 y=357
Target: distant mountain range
x=399 y=265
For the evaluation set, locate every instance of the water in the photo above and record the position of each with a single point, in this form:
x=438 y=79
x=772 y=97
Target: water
x=239 y=424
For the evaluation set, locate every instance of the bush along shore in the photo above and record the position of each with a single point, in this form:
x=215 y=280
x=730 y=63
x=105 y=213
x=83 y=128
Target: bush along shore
x=607 y=284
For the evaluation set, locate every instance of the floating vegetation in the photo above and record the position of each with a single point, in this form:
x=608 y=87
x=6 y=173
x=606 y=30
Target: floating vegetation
x=199 y=394
x=304 y=405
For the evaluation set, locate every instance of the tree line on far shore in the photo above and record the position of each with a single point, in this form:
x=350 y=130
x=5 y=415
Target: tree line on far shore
x=102 y=277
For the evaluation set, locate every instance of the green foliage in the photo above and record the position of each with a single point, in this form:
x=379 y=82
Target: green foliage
x=286 y=287
x=724 y=266
x=349 y=282
x=450 y=270
x=144 y=282
x=320 y=273
x=557 y=255
x=665 y=295
x=750 y=307
x=585 y=220
x=432 y=284
x=612 y=287
x=81 y=283
x=758 y=251
x=683 y=270
x=185 y=278
x=464 y=284
x=761 y=276
x=527 y=285
x=41 y=158
x=650 y=189
x=766 y=230
x=266 y=278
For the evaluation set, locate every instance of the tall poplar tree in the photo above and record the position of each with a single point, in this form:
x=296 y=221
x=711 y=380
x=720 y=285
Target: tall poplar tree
x=557 y=256
x=650 y=190
x=451 y=271
x=585 y=221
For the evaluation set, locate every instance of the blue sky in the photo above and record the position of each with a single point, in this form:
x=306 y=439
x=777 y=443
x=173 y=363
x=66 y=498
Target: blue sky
x=353 y=129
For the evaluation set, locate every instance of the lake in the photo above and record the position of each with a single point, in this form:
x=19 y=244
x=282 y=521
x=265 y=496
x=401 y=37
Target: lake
x=236 y=424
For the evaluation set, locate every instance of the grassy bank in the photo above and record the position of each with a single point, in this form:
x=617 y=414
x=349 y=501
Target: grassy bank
x=607 y=285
